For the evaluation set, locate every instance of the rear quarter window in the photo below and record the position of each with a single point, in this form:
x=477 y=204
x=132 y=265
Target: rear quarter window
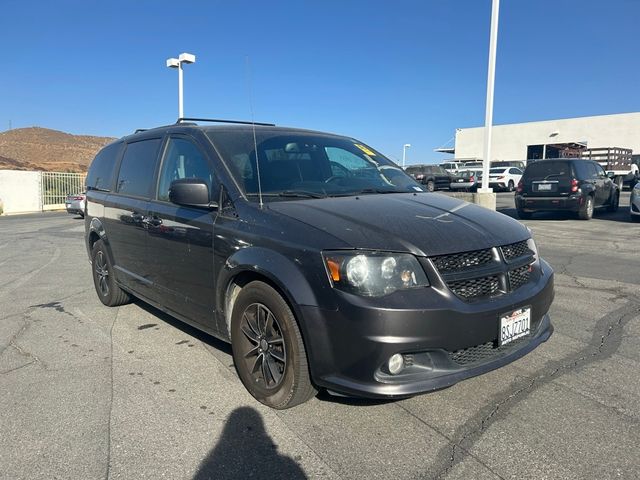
x=100 y=175
x=138 y=167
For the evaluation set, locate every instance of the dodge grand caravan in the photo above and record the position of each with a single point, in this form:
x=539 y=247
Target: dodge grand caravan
x=321 y=261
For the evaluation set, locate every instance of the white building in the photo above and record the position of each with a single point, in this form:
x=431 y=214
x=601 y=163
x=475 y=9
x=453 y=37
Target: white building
x=533 y=140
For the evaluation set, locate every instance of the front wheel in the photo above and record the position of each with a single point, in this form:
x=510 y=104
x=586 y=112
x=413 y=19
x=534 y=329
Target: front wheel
x=523 y=215
x=268 y=350
x=431 y=186
x=586 y=210
x=614 y=201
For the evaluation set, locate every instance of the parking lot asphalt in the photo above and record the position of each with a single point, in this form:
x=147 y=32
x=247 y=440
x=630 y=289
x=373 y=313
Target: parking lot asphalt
x=94 y=392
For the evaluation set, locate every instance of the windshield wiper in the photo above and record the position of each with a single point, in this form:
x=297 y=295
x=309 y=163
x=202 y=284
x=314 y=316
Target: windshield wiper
x=374 y=190
x=291 y=194
x=301 y=194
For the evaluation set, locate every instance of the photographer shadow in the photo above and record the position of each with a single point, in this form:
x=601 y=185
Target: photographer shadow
x=246 y=450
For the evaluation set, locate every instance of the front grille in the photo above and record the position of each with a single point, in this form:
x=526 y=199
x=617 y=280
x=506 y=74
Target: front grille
x=482 y=273
x=519 y=277
x=516 y=250
x=484 y=352
x=475 y=287
x=461 y=261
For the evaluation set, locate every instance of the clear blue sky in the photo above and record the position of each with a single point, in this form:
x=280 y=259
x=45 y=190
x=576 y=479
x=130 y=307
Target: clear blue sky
x=386 y=72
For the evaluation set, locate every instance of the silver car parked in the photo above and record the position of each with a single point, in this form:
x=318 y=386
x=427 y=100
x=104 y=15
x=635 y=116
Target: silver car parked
x=74 y=203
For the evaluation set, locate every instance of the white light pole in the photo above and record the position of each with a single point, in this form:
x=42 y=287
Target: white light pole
x=177 y=63
x=404 y=152
x=488 y=121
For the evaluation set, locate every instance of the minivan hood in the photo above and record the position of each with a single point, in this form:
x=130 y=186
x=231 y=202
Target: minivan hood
x=422 y=223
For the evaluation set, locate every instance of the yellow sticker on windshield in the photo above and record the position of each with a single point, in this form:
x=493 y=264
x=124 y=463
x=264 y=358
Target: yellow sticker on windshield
x=366 y=150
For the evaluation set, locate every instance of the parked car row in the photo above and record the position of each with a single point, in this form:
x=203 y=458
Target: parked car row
x=436 y=177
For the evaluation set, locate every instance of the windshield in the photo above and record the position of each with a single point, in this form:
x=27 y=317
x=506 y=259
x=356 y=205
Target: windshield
x=497 y=170
x=296 y=164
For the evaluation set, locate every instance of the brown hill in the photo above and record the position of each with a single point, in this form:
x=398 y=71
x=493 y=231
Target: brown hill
x=38 y=148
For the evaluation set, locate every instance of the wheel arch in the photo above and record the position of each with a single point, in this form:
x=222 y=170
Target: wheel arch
x=272 y=268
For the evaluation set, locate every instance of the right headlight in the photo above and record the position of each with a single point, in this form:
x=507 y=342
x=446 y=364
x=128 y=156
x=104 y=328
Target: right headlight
x=374 y=274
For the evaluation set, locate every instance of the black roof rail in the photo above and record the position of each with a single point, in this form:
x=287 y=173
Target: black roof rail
x=216 y=120
x=138 y=130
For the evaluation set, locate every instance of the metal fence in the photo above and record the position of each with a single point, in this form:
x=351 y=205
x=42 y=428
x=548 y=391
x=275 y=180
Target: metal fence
x=55 y=186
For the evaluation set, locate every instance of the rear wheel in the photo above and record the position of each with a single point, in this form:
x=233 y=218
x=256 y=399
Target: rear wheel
x=524 y=215
x=510 y=186
x=107 y=289
x=431 y=186
x=586 y=210
x=268 y=350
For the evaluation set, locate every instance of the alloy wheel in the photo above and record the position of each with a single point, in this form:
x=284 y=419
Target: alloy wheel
x=102 y=272
x=264 y=350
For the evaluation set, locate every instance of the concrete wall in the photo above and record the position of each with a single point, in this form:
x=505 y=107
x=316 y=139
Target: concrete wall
x=20 y=191
x=510 y=142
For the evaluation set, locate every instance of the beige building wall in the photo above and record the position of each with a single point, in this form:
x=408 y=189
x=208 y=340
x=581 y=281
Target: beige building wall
x=510 y=141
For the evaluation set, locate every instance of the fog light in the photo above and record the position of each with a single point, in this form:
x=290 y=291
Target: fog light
x=396 y=364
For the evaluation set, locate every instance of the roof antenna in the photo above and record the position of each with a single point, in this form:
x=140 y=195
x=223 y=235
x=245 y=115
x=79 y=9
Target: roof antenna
x=255 y=143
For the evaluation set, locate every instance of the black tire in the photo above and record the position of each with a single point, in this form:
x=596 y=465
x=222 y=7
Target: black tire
x=524 y=215
x=614 y=201
x=635 y=218
x=268 y=350
x=586 y=210
x=107 y=289
x=511 y=186
x=431 y=185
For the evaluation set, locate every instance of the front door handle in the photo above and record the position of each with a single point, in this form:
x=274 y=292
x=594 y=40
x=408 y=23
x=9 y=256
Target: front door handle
x=152 y=221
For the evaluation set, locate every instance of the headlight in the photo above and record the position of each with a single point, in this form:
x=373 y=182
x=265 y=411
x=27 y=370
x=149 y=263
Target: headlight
x=534 y=248
x=374 y=274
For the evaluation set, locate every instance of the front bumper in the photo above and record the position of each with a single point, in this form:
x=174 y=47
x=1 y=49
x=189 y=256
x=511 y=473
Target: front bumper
x=548 y=204
x=634 y=207
x=349 y=347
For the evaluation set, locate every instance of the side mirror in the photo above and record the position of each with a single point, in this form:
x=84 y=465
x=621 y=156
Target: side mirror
x=191 y=192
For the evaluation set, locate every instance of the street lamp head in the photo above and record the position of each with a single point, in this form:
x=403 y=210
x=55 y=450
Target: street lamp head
x=187 y=58
x=407 y=145
x=173 y=63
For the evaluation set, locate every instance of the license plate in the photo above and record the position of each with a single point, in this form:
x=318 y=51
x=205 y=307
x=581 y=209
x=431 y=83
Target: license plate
x=514 y=325
x=544 y=186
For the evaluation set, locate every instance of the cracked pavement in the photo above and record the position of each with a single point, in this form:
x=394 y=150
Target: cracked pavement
x=92 y=392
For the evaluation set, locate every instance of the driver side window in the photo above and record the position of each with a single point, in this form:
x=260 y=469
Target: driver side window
x=183 y=159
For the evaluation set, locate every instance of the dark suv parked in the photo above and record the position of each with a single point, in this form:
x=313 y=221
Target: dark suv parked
x=321 y=261
x=572 y=185
x=434 y=177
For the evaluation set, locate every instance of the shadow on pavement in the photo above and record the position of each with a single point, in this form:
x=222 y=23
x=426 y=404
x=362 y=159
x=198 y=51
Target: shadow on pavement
x=185 y=327
x=245 y=450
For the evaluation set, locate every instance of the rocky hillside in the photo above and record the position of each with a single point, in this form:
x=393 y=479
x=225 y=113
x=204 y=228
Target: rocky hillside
x=38 y=148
